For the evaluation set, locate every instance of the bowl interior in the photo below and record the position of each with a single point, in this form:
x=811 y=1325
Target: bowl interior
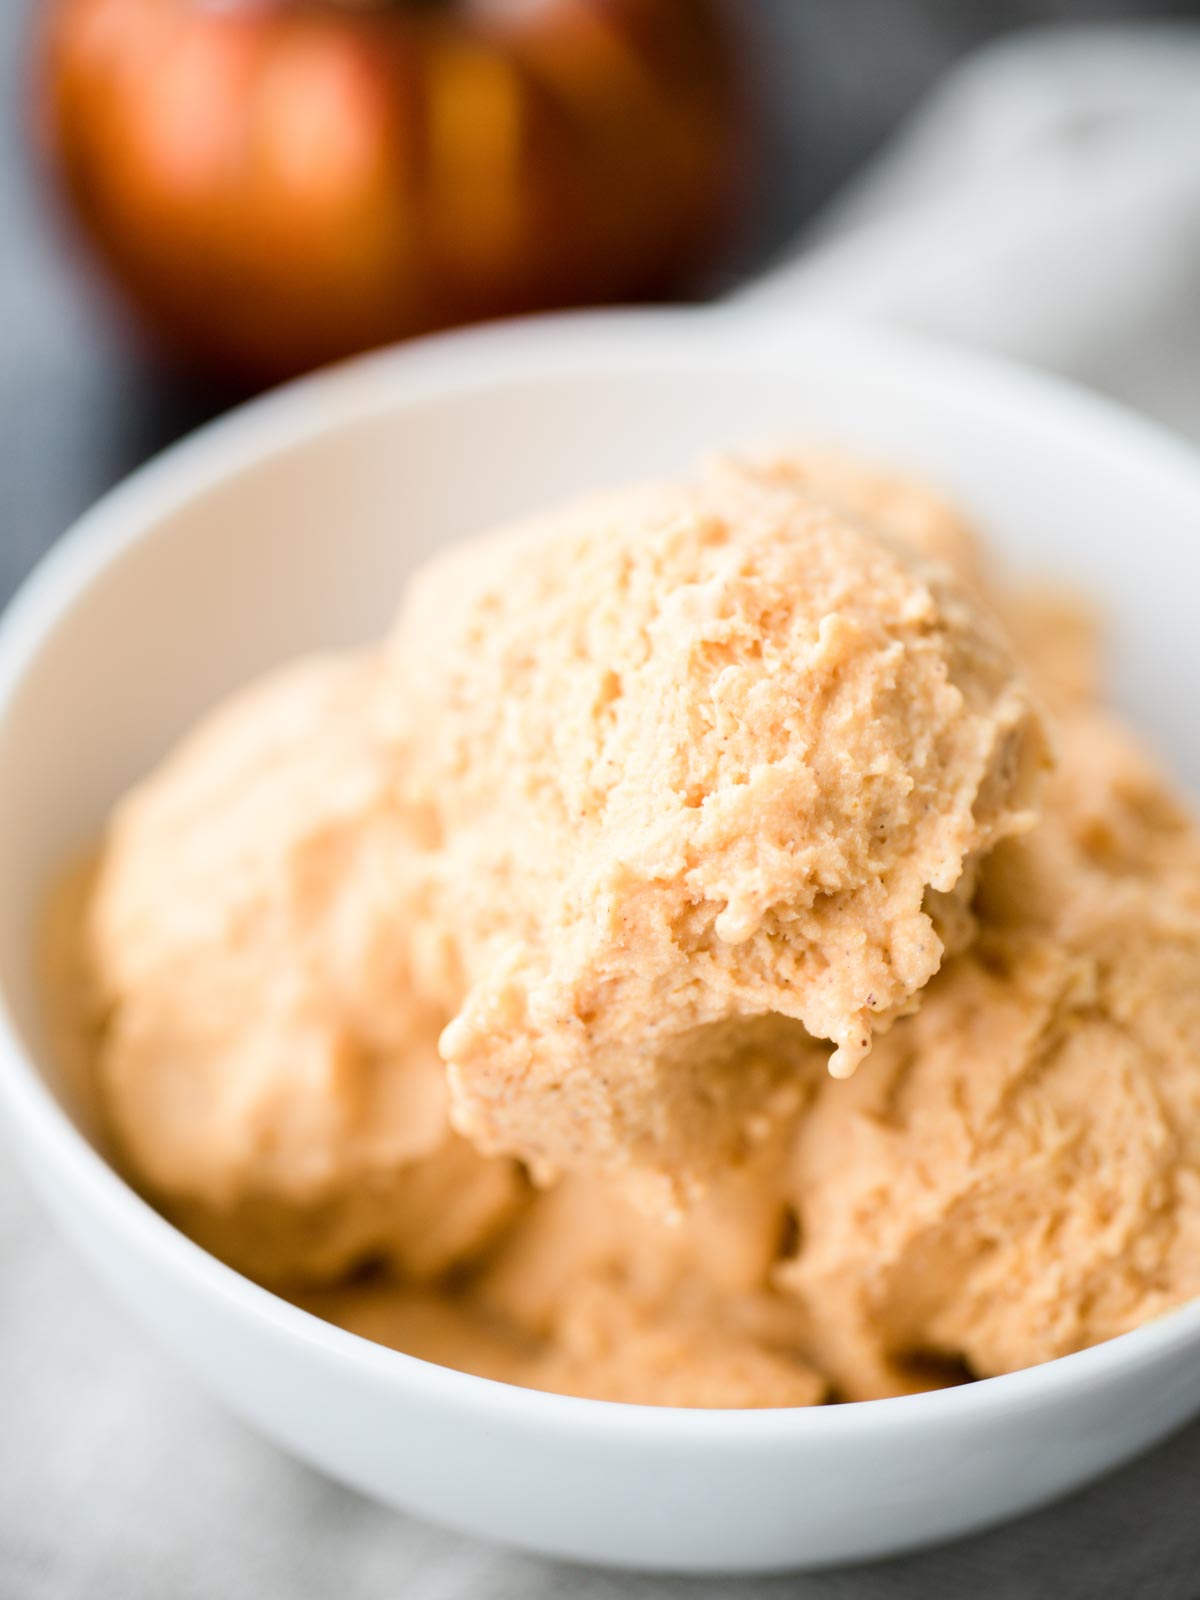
x=291 y=527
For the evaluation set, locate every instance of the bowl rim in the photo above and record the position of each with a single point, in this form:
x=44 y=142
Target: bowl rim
x=605 y=343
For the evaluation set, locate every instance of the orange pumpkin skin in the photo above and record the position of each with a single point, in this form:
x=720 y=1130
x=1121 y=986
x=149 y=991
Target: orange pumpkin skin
x=279 y=183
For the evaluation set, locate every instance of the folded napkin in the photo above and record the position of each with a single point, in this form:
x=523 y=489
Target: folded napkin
x=1046 y=202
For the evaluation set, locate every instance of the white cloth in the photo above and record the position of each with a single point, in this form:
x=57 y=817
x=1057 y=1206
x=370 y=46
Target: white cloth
x=1046 y=202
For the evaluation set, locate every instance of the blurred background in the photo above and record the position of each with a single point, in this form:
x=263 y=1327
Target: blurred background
x=157 y=260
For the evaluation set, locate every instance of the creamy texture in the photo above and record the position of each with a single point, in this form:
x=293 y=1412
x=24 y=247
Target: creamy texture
x=585 y=1296
x=266 y=1058
x=706 y=767
x=1018 y=1176
x=1015 y=1175
x=623 y=1307
x=607 y=804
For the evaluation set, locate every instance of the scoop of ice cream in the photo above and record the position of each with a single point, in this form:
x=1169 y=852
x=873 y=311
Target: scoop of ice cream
x=582 y=1296
x=678 y=1312
x=707 y=767
x=582 y=1230
x=1018 y=1175
x=267 y=1063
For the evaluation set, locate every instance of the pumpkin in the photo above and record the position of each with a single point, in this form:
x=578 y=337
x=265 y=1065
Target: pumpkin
x=278 y=183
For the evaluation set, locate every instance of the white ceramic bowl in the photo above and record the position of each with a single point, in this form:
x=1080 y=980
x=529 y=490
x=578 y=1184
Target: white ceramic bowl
x=291 y=524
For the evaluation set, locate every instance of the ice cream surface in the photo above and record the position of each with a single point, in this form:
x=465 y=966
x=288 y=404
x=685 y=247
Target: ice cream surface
x=708 y=766
x=639 y=807
x=585 y=1296
x=267 y=1058
x=1018 y=1176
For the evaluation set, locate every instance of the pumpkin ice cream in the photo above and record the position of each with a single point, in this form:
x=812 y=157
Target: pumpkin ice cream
x=582 y=1295
x=641 y=808
x=709 y=767
x=267 y=1062
x=1018 y=1174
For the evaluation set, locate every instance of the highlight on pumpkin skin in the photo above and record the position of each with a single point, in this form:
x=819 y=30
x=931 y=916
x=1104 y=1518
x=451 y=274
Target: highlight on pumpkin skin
x=273 y=188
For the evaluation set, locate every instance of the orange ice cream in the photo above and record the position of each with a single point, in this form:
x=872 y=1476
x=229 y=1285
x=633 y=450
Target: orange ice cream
x=709 y=767
x=266 y=1059
x=641 y=807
